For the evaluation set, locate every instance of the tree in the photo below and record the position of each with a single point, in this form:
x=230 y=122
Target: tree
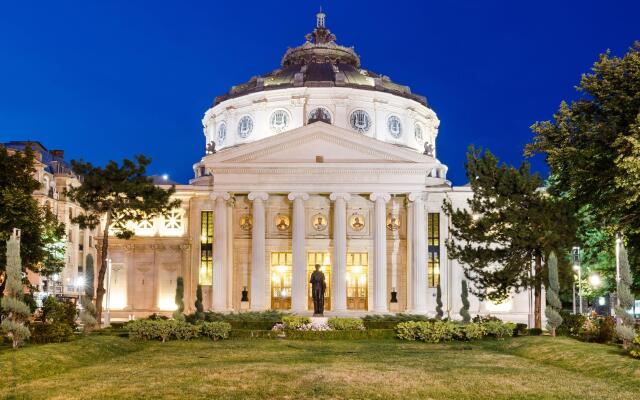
x=120 y=194
x=553 y=299
x=592 y=145
x=88 y=313
x=510 y=223
x=439 y=312
x=17 y=312
x=199 y=305
x=625 y=330
x=464 y=311
x=179 y=312
x=42 y=246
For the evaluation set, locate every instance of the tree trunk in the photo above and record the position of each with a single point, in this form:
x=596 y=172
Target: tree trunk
x=537 y=313
x=100 y=291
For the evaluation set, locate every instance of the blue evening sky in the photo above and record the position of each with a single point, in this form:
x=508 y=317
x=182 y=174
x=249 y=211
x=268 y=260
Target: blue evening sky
x=107 y=80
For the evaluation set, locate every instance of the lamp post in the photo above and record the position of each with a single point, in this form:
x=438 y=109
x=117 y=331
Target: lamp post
x=107 y=314
x=576 y=267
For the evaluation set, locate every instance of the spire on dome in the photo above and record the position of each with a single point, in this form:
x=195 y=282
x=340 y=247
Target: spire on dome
x=320 y=19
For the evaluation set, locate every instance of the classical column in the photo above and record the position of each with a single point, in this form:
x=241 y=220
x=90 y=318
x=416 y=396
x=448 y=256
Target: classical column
x=258 y=265
x=380 y=251
x=418 y=264
x=339 y=301
x=298 y=253
x=219 y=287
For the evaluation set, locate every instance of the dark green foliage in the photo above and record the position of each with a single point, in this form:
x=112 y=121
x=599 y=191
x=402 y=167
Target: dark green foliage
x=57 y=311
x=199 y=306
x=572 y=324
x=41 y=247
x=16 y=312
x=592 y=145
x=256 y=320
x=520 y=330
x=535 y=332
x=121 y=193
x=171 y=329
x=345 y=324
x=485 y=318
x=508 y=223
x=179 y=312
x=50 y=332
x=464 y=310
x=215 y=330
x=599 y=330
x=390 y=321
x=439 y=312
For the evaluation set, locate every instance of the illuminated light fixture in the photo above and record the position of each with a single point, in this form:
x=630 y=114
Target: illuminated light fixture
x=80 y=282
x=283 y=293
x=356 y=269
x=275 y=278
x=203 y=238
x=281 y=268
x=168 y=304
x=594 y=280
x=576 y=267
x=601 y=301
x=165 y=177
x=326 y=260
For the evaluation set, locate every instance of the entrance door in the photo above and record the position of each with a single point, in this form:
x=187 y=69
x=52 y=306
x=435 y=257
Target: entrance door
x=281 y=268
x=324 y=259
x=357 y=282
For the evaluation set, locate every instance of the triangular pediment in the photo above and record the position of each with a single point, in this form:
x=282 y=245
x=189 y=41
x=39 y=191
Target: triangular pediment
x=318 y=142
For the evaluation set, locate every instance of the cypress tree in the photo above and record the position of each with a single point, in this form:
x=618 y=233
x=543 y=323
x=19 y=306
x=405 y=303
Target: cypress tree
x=199 y=305
x=88 y=313
x=439 y=313
x=179 y=312
x=17 y=312
x=553 y=300
x=464 y=311
x=625 y=330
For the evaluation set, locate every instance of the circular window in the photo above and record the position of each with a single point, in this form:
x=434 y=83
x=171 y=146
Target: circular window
x=418 y=133
x=319 y=114
x=245 y=126
x=360 y=121
x=395 y=128
x=222 y=133
x=279 y=120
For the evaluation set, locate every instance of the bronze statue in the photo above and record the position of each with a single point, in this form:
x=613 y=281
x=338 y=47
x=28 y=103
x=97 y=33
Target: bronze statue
x=318 y=287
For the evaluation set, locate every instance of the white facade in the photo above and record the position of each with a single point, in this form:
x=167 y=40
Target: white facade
x=282 y=191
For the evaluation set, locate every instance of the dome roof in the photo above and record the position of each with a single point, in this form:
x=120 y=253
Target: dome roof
x=320 y=62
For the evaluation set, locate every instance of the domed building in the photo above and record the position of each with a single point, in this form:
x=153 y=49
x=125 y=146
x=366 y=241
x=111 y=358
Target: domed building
x=320 y=161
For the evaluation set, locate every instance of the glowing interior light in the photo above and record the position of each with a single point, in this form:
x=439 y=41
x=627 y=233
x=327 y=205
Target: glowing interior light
x=348 y=277
x=357 y=269
x=203 y=238
x=167 y=303
x=362 y=280
x=283 y=293
x=275 y=278
x=326 y=260
x=80 y=281
x=281 y=268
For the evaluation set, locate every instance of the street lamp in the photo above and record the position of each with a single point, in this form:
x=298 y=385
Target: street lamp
x=594 y=280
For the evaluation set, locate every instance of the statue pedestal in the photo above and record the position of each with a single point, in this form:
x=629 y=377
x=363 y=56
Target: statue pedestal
x=394 y=307
x=319 y=320
x=244 y=305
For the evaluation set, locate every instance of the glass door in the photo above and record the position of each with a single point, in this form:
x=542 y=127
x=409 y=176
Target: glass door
x=357 y=282
x=281 y=268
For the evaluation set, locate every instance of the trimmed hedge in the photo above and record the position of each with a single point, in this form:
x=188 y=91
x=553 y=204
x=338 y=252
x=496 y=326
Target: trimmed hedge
x=161 y=329
x=345 y=324
x=341 y=335
x=295 y=322
x=54 y=332
x=445 y=331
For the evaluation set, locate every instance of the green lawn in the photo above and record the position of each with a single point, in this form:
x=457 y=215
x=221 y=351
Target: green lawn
x=519 y=368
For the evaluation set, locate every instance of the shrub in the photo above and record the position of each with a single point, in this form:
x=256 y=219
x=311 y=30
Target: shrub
x=184 y=331
x=520 y=330
x=464 y=311
x=635 y=348
x=478 y=319
x=295 y=322
x=216 y=330
x=178 y=314
x=390 y=321
x=342 y=335
x=599 y=330
x=472 y=331
x=535 y=332
x=50 y=332
x=63 y=312
x=499 y=329
x=552 y=311
x=571 y=325
x=430 y=332
x=346 y=324
x=199 y=314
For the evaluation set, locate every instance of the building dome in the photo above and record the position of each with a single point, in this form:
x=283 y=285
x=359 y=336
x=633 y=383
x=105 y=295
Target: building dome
x=321 y=80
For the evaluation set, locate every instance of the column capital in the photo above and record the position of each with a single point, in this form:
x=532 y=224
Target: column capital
x=415 y=196
x=380 y=196
x=337 y=195
x=258 y=195
x=295 y=195
x=220 y=195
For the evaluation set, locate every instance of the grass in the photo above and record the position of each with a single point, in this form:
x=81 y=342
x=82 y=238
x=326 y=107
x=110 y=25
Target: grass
x=107 y=367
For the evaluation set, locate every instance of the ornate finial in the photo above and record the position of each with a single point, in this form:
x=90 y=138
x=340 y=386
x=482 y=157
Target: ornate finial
x=211 y=148
x=320 y=19
x=428 y=149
